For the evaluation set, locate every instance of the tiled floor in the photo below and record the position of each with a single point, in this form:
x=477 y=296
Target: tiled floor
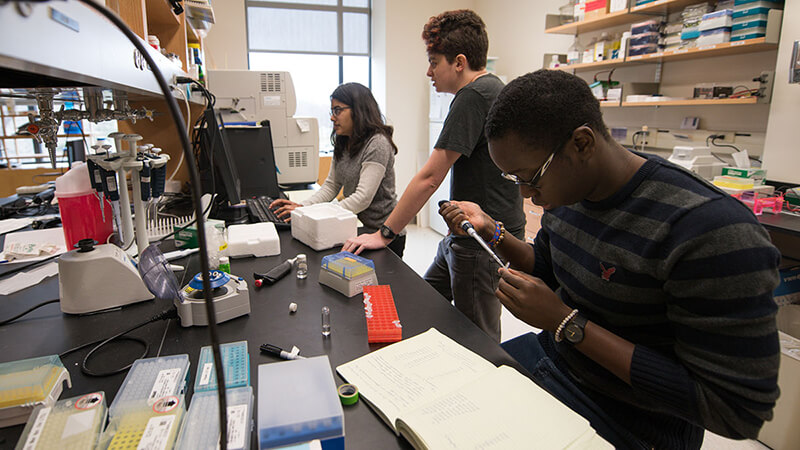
x=421 y=245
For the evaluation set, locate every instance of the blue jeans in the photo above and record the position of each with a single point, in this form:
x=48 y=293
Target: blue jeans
x=464 y=273
x=527 y=350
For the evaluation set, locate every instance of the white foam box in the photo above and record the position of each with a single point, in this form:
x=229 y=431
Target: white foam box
x=782 y=431
x=323 y=226
x=255 y=239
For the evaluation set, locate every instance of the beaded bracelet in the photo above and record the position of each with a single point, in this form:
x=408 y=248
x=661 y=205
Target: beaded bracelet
x=493 y=241
x=499 y=234
x=560 y=330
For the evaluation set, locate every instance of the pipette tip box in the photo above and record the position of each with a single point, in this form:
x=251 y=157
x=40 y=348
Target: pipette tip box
x=383 y=325
x=347 y=273
x=70 y=423
x=28 y=383
x=149 y=380
x=298 y=402
x=145 y=427
x=235 y=363
x=200 y=430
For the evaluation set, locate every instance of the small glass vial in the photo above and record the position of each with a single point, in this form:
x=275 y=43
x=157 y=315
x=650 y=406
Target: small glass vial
x=225 y=264
x=302 y=266
x=326 y=321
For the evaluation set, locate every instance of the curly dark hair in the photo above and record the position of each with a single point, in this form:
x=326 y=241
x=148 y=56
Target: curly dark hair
x=543 y=108
x=458 y=32
x=366 y=116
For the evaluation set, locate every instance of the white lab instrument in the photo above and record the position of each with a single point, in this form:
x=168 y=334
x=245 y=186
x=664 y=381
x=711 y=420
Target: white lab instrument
x=323 y=225
x=698 y=160
x=229 y=293
x=94 y=278
x=255 y=96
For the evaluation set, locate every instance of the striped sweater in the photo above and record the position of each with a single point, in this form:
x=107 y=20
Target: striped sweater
x=686 y=273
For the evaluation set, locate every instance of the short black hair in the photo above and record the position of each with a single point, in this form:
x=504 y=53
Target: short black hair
x=458 y=32
x=543 y=108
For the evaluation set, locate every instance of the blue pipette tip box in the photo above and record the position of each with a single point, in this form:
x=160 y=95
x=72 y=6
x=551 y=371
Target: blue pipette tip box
x=235 y=363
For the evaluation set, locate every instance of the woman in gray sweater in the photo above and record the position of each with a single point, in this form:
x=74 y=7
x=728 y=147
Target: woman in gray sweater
x=363 y=162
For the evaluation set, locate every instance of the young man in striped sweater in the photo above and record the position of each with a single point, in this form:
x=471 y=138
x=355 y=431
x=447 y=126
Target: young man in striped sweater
x=652 y=288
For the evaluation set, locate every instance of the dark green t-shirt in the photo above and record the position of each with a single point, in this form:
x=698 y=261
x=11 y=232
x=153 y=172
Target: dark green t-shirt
x=474 y=176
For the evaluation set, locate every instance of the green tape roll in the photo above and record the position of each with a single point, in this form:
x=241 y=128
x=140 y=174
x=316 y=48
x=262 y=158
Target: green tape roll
x=348 y=394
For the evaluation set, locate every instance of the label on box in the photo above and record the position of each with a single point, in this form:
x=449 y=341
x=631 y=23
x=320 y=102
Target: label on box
x=166 y=382
x=205 y=377
x=78 y=423
x=156 y=434
x=237 y=429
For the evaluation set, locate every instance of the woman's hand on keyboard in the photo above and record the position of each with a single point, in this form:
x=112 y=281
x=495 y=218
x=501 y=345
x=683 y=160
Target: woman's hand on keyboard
x=283 y=208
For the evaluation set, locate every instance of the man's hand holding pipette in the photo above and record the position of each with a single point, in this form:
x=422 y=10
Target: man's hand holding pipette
x=458 y=220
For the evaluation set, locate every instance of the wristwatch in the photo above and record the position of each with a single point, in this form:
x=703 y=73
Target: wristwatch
x=573 y=332
x=387 y=232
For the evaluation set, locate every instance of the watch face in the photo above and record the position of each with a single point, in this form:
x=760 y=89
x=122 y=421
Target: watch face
x=573 y=333
x=387 y=232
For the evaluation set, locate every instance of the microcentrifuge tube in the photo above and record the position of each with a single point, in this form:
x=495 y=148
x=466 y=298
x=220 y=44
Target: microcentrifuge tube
x=326 y=321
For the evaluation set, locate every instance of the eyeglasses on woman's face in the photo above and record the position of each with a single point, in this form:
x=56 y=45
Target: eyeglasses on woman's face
x=336 y=110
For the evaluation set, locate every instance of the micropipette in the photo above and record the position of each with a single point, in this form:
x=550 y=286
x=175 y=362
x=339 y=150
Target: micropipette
x=470 y=230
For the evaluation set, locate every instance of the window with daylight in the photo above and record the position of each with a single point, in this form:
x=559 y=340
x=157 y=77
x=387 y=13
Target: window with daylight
x=322 y=43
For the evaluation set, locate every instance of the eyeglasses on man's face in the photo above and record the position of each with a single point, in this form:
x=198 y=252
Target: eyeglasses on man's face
x=336 y=110
x=540 y=173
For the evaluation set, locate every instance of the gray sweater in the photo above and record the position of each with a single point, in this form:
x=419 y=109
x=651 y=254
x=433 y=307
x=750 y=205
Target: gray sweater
x=368 y=183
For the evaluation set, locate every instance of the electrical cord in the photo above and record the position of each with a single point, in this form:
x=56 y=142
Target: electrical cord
x=163 y=315
x=30 y=310
x=195 y=180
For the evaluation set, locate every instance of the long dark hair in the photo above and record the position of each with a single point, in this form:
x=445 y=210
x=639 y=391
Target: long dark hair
x=366 y=117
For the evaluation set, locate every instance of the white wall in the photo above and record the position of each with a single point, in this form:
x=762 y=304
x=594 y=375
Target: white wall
x=226 y=44
x=781 y=155
x=516 y=33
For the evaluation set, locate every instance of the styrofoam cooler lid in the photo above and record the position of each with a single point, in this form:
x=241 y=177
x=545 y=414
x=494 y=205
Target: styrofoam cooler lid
x=74 y=182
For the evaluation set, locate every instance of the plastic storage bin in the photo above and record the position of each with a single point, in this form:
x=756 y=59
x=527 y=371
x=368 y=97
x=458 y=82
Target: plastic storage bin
x=741 y=4
x=323 y=226
x=749 y=24
x=716 y=19
x=754 y=11
x=748 y=33
x=648 y=26
x=715 y=36
x=644 y=39
x=643 y=50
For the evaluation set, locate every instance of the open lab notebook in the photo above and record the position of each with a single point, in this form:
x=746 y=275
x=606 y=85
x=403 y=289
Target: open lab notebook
x=440 y=395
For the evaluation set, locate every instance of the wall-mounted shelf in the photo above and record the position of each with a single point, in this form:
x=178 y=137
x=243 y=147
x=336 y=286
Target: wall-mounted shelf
x=727 y=48
x=696 y=102
x=662 y=7
x=584 y=26
x=626 y=16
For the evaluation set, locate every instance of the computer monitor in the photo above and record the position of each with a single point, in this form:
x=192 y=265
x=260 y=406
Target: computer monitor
x=76 y=151
x=254 y=156
x=216 y=148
